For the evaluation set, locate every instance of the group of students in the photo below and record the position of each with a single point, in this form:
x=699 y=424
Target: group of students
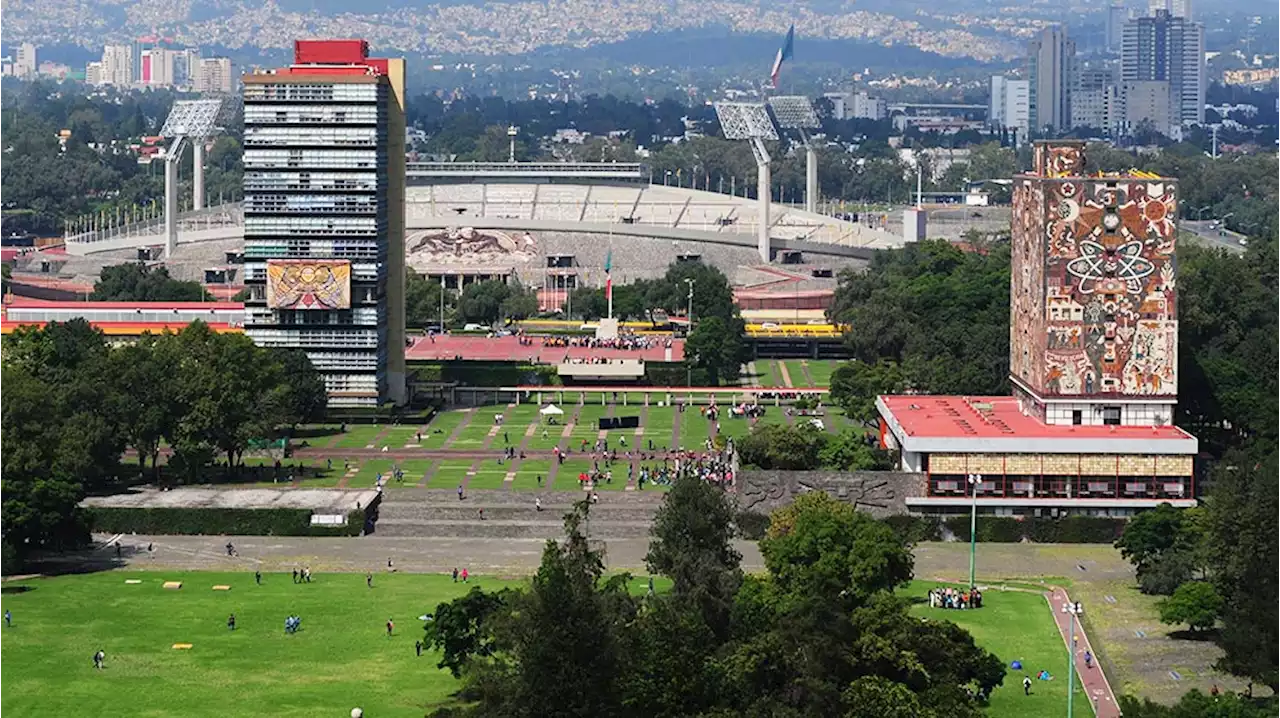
x=622 y=341
x=947 y=597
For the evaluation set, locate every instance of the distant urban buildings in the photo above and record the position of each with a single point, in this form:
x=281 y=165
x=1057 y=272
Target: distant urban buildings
x=140 y=65
x=1010 y=105
x=1050 y=67
x=1159 y=81
x=1170 y=49
x=1260 y=76
x=857 y=106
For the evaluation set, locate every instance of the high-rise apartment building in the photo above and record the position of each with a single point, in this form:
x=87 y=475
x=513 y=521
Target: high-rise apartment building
x=24 y=63
x=1117 y=16
x=117 y=65
x=159 y=66
x=1010 y=106
x=93 y=74
x=324 y=184
x=1050 y=63
x=1167 y=48
x=1176 y=8
x=1093 y=96
x=865 y=107
x=213 y=74
x=1148 y=102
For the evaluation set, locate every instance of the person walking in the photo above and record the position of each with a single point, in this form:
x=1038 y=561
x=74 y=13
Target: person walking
x=455 y=574
x=368 y=579
x=231 y=622
x=295 y=574
x=1088 y=659
x=459 y=492
x=1026 y=685
x=391 y=626
x=257 y=577
x=464 y=575
x=537 y=504
x=99 y=658
x=417 y=647
x=8 y=618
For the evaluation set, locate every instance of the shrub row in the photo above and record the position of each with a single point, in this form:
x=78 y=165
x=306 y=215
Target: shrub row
x=1008 y=529
x=216 y=522
x=751 y=524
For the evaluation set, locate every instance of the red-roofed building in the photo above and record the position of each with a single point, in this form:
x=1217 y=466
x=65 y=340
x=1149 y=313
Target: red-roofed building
x=1093 y=359
x=123 y=320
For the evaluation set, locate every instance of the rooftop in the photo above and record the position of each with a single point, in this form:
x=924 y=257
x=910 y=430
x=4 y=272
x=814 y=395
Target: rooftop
x=29 y=303
x=995 y=424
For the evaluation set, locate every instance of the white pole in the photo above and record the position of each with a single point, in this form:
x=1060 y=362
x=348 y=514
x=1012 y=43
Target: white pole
x=197 y=173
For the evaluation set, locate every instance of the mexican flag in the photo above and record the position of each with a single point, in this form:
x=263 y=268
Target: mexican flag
x=784 y=53
x=608 y=281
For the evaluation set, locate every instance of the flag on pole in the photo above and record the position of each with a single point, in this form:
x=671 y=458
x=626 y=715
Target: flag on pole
x=784 y=53
x=608 y=281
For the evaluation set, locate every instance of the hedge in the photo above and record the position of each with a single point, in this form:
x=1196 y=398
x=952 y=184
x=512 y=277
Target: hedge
x=216 y=522
x=752 y=525
x=1070 y=529
x=914 y=529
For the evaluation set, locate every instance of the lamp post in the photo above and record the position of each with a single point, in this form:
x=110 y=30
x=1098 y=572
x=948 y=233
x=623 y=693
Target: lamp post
x=1074 y=609
x=689 y=369
x=975 y=480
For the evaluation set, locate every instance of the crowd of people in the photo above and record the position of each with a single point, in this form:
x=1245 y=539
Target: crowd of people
x=625 y=340
x=947 y=597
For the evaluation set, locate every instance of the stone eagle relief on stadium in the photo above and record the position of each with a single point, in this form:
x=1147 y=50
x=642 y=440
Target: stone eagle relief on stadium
x=466 y=246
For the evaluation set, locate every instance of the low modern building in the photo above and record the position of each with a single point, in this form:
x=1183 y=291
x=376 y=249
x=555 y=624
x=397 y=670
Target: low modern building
x=1093 y=360
x=123 y=321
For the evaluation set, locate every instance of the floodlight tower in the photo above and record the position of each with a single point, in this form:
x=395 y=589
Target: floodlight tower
x=189 y=122
x=795 y=112
x=750 y=121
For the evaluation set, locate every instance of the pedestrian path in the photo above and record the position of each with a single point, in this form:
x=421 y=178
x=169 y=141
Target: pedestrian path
x=1096 y=687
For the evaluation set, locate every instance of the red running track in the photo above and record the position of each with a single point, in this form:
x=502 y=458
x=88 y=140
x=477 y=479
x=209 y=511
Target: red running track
x=1096 y=688
x=509 y=349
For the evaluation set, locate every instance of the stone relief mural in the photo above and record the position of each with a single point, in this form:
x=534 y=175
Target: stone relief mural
x=472 y=247
x=879 y=493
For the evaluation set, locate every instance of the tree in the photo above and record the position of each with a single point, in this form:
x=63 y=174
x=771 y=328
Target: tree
x=715 y=346
x=41 y=492
x=1195 y=704
x=855 y=386
x=460 y=630
x=1164 y=545
x=941 y=314
x=304 y=398
x=423 y=299
x=148 y=401
x=850 y=451
x=1244 y=563
x=1195 y=603
x=136 y=282
x=691 y=545
x=780 y=446
x=487 y=302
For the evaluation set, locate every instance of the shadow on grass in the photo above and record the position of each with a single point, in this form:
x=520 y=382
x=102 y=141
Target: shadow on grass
x=1197 y=636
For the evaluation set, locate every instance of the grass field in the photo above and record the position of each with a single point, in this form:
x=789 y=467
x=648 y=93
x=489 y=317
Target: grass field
x=342 y=657
x=1015 y=626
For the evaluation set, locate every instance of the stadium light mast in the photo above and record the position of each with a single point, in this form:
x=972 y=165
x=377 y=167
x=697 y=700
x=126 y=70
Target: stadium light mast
x=512 y=131
x=189 y=122
x=750 y=121
x=795 y=112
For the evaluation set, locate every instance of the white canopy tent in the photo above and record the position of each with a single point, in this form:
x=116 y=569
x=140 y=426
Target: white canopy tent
x=550 y=411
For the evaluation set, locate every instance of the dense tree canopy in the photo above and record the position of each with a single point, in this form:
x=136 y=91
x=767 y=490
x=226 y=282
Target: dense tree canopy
x=821 y=634
x=940 y=314
x=137 y=282
x=72 y=404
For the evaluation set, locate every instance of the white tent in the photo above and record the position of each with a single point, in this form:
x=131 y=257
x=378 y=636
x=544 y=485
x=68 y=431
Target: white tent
x=551 y=410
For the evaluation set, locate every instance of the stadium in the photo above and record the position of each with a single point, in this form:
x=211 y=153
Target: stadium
x=497 y=219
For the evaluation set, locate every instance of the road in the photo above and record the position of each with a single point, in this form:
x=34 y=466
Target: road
x=1210 y=237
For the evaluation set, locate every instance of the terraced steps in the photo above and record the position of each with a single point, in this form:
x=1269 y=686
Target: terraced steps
x=511 y=514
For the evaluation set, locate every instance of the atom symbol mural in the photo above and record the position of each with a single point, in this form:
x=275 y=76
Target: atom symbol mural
x=1097 y=263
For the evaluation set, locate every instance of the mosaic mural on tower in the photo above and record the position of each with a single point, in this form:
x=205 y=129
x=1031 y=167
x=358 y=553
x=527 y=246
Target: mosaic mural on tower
x=1094 y=284
x=308 y=284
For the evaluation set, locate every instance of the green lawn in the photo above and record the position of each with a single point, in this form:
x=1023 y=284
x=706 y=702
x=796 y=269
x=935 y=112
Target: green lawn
x=450 y=473
x=766 y=375
x=821 y=371
x=527 y=473
x=359 y=436
x=367 y=478
x=795 y=370
x=1015 y=626
x=340 y=659
x=442 y=425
